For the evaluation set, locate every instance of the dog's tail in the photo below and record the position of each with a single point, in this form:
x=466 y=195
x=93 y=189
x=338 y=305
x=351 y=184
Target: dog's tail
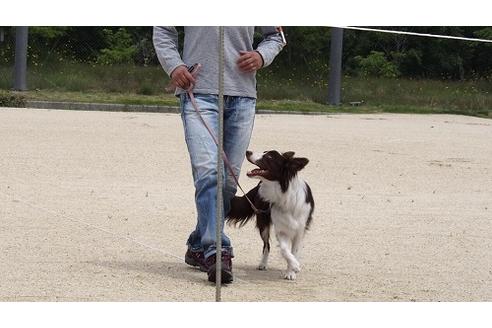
x=241 y=211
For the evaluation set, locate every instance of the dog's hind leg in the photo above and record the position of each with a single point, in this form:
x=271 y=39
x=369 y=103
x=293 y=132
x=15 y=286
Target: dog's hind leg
x=265 y=235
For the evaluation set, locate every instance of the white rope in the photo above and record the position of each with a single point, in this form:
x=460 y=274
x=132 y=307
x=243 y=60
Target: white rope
x=415 y=34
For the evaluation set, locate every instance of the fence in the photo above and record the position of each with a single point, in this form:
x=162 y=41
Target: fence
x=380 y=70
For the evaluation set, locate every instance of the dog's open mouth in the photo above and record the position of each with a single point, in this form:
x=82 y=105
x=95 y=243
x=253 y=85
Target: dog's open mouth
x=257 y=173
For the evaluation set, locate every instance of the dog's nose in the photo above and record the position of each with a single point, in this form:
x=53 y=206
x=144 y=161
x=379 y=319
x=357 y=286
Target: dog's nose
x=249 y=153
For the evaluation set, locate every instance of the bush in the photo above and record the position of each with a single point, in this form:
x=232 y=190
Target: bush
x=121 y=49
x=376 y=64
x=10 y=99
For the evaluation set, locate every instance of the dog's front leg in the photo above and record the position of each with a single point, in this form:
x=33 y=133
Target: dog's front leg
x=297 y=245
x=293 y=265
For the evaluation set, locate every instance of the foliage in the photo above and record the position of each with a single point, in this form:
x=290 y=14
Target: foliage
x=375 y=64
x=7 y=48
x=420 y=56
x=47 y=33
x=10 y=99
x=307 y=50
x=120 y=48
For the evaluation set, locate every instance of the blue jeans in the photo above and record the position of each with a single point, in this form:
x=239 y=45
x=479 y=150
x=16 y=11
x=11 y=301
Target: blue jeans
x=239 y=115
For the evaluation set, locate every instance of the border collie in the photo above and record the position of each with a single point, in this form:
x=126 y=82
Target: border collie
x=282 y=198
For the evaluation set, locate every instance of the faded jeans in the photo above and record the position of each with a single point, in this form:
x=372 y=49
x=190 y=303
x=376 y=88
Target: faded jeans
x=239 y=115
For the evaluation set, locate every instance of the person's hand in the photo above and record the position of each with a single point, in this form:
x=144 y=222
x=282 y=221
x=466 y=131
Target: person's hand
x=182 y=78
x=249 y=61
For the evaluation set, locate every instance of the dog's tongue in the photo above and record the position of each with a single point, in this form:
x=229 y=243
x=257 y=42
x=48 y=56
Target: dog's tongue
x=250 y=173
x=255 y=172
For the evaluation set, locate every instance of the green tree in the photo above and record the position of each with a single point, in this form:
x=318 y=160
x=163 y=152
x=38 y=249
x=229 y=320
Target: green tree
x=120 y=50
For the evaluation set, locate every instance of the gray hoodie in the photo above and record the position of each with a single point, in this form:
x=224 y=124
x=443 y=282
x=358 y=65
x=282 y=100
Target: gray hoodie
x=201 y=45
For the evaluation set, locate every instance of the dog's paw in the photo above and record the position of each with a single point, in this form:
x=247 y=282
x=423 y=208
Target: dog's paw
x=294 y=266
x=290 y=275
x=262 y=267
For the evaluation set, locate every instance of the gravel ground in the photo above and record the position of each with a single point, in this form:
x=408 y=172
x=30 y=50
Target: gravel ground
x=97 y=206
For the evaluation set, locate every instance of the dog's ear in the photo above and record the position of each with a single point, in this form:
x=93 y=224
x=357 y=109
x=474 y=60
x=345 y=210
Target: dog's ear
x=288 y=154
x=298 y=163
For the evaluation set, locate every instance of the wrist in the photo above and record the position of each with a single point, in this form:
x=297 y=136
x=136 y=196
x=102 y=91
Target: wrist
x=177 y=69
x=261 y=57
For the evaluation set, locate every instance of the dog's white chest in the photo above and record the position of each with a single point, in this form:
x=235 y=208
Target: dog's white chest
x=286 y=223
x=290 y=210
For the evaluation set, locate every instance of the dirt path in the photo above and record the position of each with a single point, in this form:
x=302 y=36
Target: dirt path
x=97 y=206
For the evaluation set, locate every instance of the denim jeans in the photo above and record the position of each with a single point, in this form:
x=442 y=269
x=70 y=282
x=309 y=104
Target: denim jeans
x=239 y=115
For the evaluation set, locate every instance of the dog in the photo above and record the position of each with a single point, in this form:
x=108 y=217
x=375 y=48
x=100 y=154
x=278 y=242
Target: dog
x=283 y=199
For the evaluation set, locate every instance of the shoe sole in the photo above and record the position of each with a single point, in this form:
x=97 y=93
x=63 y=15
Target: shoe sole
x=226 y=276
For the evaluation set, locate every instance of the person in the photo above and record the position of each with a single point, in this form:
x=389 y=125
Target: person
x=241 y=61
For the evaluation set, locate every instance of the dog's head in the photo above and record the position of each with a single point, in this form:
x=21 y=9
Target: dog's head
x=274 y=166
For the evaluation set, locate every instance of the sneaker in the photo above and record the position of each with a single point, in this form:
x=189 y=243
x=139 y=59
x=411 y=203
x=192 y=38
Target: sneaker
x=196 y=259
x=226 y=269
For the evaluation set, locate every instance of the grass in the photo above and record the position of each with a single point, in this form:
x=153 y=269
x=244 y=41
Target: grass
x=102 y=97
x=277 y=90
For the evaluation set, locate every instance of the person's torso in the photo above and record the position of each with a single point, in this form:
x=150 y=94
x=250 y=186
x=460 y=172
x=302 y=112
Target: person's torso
x=201 y=45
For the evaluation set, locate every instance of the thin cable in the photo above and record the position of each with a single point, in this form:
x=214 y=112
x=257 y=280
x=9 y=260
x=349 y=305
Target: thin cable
x=62 y=215
x=89 y=225
x=415 y=34
x=220 y=163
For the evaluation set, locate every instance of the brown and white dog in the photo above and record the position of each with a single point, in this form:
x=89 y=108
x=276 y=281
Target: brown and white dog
x=283 y=199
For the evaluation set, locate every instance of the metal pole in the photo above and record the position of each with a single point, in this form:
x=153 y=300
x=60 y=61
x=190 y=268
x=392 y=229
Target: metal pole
x=20 y=66
x=220 y=171
x=335 y=80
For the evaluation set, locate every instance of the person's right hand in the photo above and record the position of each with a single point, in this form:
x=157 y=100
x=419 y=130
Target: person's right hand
x=182 y=78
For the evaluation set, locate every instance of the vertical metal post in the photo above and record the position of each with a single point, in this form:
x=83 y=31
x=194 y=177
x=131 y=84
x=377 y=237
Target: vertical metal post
x=220 y=170
x=20 y=66
x=335 y=79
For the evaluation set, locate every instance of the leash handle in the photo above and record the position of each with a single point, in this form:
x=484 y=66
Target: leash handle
x=193 y=70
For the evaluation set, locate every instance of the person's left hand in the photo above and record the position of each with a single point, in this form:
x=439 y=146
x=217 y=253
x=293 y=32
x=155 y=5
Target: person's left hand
x=249 y=61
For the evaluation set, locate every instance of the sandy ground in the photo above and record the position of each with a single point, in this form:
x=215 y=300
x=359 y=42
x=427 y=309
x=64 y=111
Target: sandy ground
x=97 y=206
